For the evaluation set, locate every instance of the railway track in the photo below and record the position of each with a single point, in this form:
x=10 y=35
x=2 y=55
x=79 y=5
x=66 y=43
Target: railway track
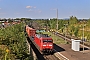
x=62 y=36
x=55 y=56
x=60 y=56
x=68 y=39
x=50 y=57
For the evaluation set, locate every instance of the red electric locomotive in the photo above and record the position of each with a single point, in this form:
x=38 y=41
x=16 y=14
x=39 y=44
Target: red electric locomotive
x=42 y=41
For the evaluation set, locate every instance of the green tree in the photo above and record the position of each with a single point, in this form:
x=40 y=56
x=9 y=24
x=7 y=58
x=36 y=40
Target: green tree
x=72 y=28
x=73 y=20
x=76 y=31
x=88 y=22
x=14 y=38
x=53 y=23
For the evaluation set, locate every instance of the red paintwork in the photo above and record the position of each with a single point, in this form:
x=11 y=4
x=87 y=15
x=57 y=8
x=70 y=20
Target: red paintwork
x=38 y=40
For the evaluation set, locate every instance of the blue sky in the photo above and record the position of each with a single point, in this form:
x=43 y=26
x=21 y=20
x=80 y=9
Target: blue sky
x=44 y=8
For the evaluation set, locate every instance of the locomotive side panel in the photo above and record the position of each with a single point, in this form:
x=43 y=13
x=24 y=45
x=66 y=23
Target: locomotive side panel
x=38 y=42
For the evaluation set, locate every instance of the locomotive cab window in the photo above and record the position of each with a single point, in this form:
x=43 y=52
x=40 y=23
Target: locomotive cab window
x=47 y=40
x=44 y=40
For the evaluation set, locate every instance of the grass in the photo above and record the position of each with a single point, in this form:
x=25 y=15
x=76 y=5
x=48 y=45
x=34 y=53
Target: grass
x=56 y=39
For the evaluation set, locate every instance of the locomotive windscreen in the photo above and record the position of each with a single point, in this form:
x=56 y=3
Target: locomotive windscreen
x=47 y=40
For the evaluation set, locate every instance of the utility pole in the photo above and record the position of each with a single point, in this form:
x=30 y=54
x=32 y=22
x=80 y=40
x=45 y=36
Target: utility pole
x=57 y=19
x=83 y=37
x=65 y=32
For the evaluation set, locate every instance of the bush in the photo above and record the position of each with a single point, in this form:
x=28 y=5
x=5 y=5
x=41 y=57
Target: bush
x=15 y=39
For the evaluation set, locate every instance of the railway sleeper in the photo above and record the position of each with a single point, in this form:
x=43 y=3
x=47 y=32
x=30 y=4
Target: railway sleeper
x=48 y=51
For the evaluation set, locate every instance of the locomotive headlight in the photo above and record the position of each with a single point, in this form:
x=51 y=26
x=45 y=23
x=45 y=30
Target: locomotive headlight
x=44 y=45
x=50 y=45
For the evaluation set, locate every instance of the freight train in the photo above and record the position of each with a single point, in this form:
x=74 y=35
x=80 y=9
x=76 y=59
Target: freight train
x=42 y=41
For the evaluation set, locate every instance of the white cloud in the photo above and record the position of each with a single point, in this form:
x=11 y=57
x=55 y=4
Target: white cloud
x=34 y=11
x=0 y=8
x=28 y=6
